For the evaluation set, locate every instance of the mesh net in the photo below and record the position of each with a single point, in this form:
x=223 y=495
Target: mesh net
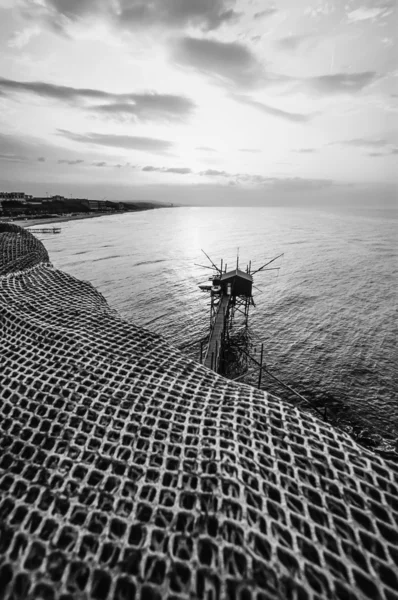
x=129 y=471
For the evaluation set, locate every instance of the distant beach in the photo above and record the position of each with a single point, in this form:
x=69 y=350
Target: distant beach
x=56 y=220
x=64 y=218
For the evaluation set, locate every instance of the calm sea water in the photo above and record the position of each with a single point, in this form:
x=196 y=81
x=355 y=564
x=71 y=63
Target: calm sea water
x=327 y=320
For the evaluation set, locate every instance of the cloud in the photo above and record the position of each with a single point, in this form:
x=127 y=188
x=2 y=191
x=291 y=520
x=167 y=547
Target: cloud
x=69 y=9
x=268 y=12
x=362 y=143
x=295 y=184
x=378 y=147
x=281 y=183
x=228 y=61
x=340 y=82
x=389 y=152
x=366 y=13
x=149 y=107
x=13 y=157
x=205 y=149
x=101 y=163
x=23 y=148
x=178 y=170
x=128 y=142
x=15 y=149
x=126 y=165
x=208 y=14
x=292 y=42
x=250 y=150
x=215 y=173
x=323 y=9
x=270 y=110
x=20 y=39
x=174 y=170
x=64 y=161
x=134 y=14
x=143 y=106
x=31 y=151
x=305 y=150
x=50 y=90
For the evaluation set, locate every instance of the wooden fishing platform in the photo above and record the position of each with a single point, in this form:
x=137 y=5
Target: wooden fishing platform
x=230 y=291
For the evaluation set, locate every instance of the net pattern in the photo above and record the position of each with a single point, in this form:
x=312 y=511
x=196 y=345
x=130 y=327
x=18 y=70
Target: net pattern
x=19 y=249
x=129 y=471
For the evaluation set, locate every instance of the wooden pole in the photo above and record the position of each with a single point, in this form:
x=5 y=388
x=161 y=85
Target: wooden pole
x=283 y=384
x=261 y=366
x=201 y=351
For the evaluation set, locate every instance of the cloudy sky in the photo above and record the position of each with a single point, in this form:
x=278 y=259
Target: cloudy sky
x=200 y=101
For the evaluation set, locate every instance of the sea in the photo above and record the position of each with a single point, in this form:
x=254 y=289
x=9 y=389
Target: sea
x=326 y=316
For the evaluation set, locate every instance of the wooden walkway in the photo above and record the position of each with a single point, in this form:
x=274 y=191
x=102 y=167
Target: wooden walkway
x=44 y=230
x=213 y=350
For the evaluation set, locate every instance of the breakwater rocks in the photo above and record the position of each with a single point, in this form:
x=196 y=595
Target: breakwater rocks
x=128 y=471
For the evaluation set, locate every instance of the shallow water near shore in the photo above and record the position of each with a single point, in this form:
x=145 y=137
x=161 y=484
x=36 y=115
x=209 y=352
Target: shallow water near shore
x=327 y=320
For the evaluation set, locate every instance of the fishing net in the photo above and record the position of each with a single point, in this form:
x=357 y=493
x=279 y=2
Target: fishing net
x=129 y=471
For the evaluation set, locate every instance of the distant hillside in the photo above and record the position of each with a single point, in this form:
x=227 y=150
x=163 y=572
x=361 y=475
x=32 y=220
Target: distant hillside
x=144 y=205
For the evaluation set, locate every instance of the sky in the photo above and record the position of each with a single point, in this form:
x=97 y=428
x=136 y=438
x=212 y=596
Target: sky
x=200 y=101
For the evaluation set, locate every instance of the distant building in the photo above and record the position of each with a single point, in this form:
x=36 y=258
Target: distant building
x=96 y=204
x=14 y=197
x=91 y=204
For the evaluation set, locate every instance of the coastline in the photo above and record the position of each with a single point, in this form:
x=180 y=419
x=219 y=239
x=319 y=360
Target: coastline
x=65 y=218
